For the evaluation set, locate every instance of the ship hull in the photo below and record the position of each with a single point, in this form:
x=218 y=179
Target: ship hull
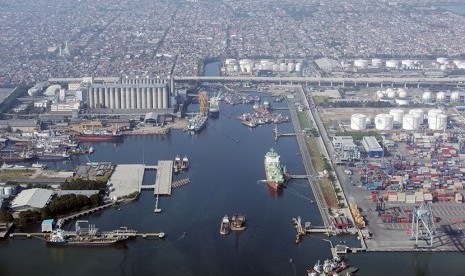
x=96 y=138
x=273 y=184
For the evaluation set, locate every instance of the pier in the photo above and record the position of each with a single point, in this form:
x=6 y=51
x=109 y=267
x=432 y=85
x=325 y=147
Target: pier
x=277 y=134
x=164 y=178
x=63 y=220
x=180 y=183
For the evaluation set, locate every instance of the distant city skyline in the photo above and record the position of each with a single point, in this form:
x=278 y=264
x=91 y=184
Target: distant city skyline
x=111 y=38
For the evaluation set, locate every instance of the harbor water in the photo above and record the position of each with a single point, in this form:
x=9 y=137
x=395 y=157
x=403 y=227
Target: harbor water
x=226 y=166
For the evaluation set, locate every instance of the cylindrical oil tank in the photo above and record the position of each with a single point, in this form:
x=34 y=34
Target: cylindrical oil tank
x=417 y=113
x=376 y=62
x=391 y=93
x=441 y=60
x=283 y=67
x=411 y=122
x=361 y=63
x=401 y=93
x=298 y=67
x=8 y=191
x=384 y=122
x=379 y=94
x=427 y=96
x=440 y=97
x=437 y=120
x=407 y=63
x=231 y=61
x=358 y=122
x=455 y=96
x=397 y=115
x=291 y=67
x=392 y=63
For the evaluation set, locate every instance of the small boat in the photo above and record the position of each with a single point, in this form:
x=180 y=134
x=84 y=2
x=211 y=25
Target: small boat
x=91 y=150
x=6 y=166
x=238 y=222
x=224 y=226
x=185 y=163
x=39 y=165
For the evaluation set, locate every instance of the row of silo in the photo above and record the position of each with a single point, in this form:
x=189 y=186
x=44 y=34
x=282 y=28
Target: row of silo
x=441 y=97
x=437 y=120
x=391 y=93
x=248 y=65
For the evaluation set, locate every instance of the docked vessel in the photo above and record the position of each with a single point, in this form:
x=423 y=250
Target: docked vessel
x=185 y=163
x=53 y=156
x=177 y=164
x=99 y=136
x=197 y=123
x=238 y=222
x=224 y=226
x=214 y=107
x=15 y=157
x=89 y=236
x=275 y=175
x=38 y=165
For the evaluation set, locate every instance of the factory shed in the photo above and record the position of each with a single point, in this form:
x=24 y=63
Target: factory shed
x=372 y=147
x=31 y=199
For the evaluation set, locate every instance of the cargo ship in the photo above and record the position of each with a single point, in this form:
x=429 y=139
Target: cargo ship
x=99 y=136
x=275 y=174
x=15 y=157
x=197 y=123
x=89 y=236
x=214 y=107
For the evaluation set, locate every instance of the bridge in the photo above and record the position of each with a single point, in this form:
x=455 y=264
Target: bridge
x=63 y=220
x=332 y=80
x=458 y=81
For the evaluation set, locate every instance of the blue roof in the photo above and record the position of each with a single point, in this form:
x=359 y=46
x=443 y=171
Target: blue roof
x=48 y=221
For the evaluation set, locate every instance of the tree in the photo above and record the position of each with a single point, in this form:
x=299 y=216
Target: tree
x=6 y=216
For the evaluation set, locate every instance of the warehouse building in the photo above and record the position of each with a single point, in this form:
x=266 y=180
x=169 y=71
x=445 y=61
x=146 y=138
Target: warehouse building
x=346 y=148
x=372 y=147
x=31 y=199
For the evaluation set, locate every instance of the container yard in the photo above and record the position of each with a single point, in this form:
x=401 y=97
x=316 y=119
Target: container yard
x=417 y=169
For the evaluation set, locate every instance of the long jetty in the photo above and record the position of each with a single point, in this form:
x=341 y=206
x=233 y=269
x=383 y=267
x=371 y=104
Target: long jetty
x=63 y=220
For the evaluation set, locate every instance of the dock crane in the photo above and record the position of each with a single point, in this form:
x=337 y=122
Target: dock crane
x=423 y=215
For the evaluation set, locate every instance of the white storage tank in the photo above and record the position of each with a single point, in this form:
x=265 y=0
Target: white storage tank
x=298 y=67
x=379 y=94
x=384 y=122
x=391 y=93
x=397 y=115
x=455 y=96
x=392 y=63
x=407 y=63
x=361 y=63
x=291 y=67
x=8 y=191
x=230 y=61
x=358 y=122
x=417 y=113
x=283 y=67
x=411 y=122
x=441 y=60
x=438 y=122
x=376 y=62
x=402 y=101
x=440 y=97
x=401 y=93
x=427 y=96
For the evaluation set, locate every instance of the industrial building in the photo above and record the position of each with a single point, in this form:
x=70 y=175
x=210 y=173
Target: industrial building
x=346 y=148
x=31 y=199
x=372 y=147
x=132 y=93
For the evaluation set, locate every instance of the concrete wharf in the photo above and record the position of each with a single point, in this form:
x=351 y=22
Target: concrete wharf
x=164 y=178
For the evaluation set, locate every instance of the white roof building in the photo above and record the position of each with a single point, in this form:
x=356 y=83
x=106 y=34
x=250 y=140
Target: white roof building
x=31 y=198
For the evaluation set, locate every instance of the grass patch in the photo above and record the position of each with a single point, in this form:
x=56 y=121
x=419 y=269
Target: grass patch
x=328 y=193
x=16 y=173
x=319 y=100
x=314 y=150
x=303 y=120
